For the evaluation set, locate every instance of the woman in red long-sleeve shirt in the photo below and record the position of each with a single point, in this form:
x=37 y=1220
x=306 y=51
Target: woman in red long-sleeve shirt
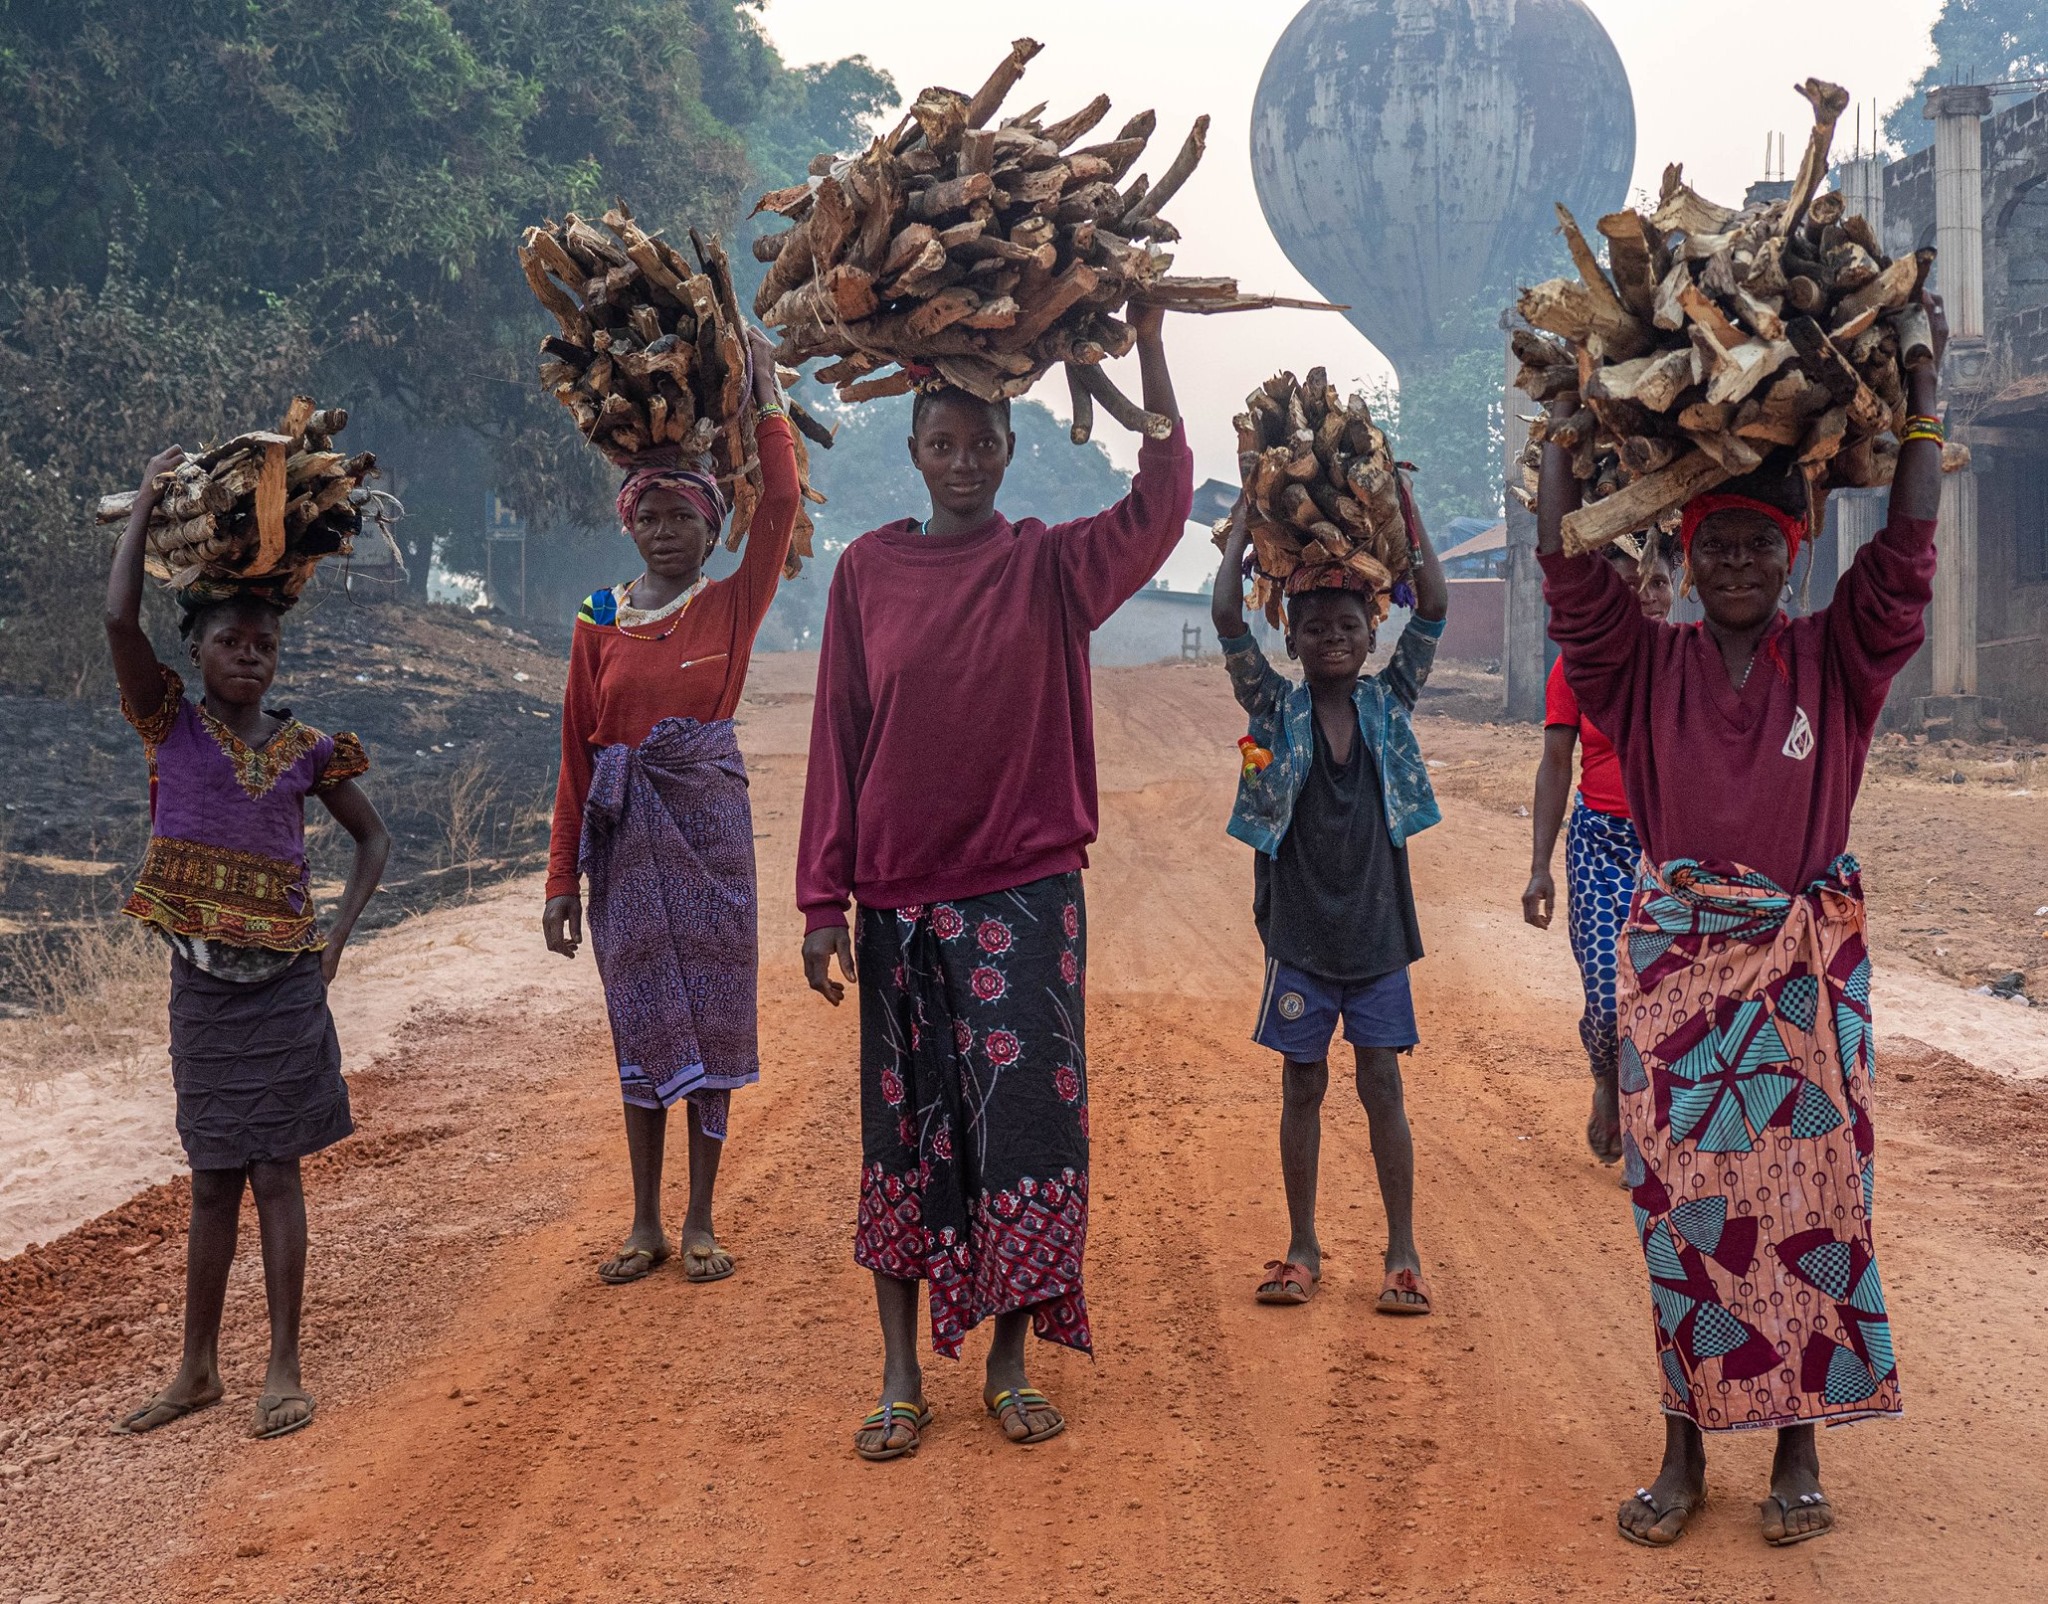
x=652 y=807
x=952 y=794
x=1745 y=1073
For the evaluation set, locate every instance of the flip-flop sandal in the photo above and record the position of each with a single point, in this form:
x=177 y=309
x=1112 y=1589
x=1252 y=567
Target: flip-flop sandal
x=1287 y=1282
x=1658 y=1517
x=1399 y=1281
x=614 y=1272
x=886 y=1419
x=127 y=1425
x=1803 y=1501
x=1022 y=1400
x=270 y=1401
x=696 y=1261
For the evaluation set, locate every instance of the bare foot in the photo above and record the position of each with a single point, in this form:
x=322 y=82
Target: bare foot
x=1603 y=1125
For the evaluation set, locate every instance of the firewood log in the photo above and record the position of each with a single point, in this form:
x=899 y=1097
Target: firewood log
x=652 y=355
x=1713 y=340
x=269 y=505
x=995 y=248
x=1320 y=480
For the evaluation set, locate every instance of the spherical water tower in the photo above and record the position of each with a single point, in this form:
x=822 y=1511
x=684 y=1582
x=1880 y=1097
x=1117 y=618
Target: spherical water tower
x=1408 y=153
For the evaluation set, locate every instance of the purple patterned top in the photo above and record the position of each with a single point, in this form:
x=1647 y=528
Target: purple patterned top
x=227 y=847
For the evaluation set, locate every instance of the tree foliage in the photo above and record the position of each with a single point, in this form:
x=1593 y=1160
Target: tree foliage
x=1974 y=41
x=357 y=171
x=1448 y=416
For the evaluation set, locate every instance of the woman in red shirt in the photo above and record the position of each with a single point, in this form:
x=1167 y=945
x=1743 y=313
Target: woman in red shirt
x=652 y=806
x=1601 y=850
x=951 y=793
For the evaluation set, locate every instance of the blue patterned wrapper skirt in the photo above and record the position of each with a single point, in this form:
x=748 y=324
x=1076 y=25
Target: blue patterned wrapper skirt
x=974 y=1106
x=1601 y=857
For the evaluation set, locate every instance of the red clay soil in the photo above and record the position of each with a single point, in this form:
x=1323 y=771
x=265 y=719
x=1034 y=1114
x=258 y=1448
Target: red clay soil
x=495 y=1425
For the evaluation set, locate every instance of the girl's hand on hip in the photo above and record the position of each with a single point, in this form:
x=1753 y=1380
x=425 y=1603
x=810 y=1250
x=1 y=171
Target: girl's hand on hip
x=330 y=959
x=820 y=948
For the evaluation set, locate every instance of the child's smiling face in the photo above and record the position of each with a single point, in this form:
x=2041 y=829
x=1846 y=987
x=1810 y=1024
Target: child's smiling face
x=236 y=653
x=1331 y=633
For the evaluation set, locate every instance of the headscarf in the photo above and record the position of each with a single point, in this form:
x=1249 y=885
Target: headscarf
x=1701 y=508
x=699 y=491
x=1327 y=576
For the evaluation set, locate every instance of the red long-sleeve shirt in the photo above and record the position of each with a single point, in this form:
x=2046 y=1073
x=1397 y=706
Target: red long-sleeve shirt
x=953 y=740
x=1765 y=776
x=620 y=687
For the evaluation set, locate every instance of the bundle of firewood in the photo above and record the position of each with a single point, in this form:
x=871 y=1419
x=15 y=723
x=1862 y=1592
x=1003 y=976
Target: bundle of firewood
x=1321 y=486
x=262 y=506
x=651 y=360
x=1715 y=339
x=979 y=257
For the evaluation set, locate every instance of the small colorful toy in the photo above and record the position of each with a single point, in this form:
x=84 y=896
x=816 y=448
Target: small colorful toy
x=1256 y=758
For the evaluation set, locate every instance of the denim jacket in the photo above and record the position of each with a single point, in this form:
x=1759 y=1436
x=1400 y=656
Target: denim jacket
x=1282 y=717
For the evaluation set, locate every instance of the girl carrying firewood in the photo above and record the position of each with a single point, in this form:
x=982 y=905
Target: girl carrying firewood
x=1744 y=984
x=652 y=807
x=254 y=1056
x=952 y=795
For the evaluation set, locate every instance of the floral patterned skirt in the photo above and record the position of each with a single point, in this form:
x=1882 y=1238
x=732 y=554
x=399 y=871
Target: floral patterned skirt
x=974 y=1106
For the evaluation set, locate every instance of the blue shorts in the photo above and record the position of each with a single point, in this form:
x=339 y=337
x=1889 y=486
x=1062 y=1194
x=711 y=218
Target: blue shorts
x=1298 y=1014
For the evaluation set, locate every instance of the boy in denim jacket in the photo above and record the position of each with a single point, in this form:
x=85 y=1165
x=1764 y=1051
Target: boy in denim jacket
x=1331 y=816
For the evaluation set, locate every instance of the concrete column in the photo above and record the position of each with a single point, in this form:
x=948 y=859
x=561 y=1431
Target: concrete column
x=1863 y=190
x=1958 y=112
x=1525 y=624
x=1952 y=619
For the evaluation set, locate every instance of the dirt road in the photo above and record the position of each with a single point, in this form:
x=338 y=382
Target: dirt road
x=495 y=1425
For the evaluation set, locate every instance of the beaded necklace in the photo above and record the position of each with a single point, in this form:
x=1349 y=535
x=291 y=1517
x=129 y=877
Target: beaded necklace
x=673 y=612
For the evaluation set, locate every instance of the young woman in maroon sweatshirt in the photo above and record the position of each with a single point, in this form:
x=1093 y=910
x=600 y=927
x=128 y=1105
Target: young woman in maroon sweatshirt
x=952 y=795
x=1743 y=995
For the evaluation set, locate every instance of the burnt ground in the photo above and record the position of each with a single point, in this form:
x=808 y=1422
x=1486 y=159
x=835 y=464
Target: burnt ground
x=459 y=713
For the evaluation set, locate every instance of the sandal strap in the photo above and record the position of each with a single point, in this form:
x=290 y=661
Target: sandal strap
x=889 y=1414
x=1023 y=1398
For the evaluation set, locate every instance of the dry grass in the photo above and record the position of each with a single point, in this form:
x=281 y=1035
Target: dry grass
x=95 y=997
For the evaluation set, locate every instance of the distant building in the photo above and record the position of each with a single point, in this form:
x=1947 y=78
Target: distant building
x=1977 y=195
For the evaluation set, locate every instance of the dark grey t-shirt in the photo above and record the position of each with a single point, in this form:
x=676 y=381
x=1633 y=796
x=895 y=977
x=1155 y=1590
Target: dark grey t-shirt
x=1336 y=902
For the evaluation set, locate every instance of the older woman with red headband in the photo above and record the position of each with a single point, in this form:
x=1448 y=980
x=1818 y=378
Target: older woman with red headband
x=652 y=807
x=1744 y=996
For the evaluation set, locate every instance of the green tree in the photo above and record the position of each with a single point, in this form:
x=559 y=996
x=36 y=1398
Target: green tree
x=361 y=168
x=1974 y=41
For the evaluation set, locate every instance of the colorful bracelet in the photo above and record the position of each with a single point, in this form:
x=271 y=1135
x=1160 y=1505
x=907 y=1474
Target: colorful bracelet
x=1922 y=429
x=771 y=409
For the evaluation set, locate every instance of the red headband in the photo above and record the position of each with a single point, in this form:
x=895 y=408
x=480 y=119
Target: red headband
x=1701 y=508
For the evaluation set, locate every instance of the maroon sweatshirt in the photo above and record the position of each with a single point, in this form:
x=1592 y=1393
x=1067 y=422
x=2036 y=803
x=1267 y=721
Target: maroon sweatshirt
x=953 y=741
x=1764 y=777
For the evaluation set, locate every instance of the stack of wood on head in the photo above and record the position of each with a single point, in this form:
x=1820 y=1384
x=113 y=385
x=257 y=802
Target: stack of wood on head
x=979 y=257
x=264 y=506
x=1322 y=487
x=1714 y=340
x=651 y=359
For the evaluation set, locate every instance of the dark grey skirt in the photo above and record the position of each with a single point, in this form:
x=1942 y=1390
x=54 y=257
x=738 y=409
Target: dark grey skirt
x=257 y=1066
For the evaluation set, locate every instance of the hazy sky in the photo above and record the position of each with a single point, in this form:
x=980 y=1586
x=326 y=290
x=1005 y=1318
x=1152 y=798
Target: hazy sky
x=1711 y=78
